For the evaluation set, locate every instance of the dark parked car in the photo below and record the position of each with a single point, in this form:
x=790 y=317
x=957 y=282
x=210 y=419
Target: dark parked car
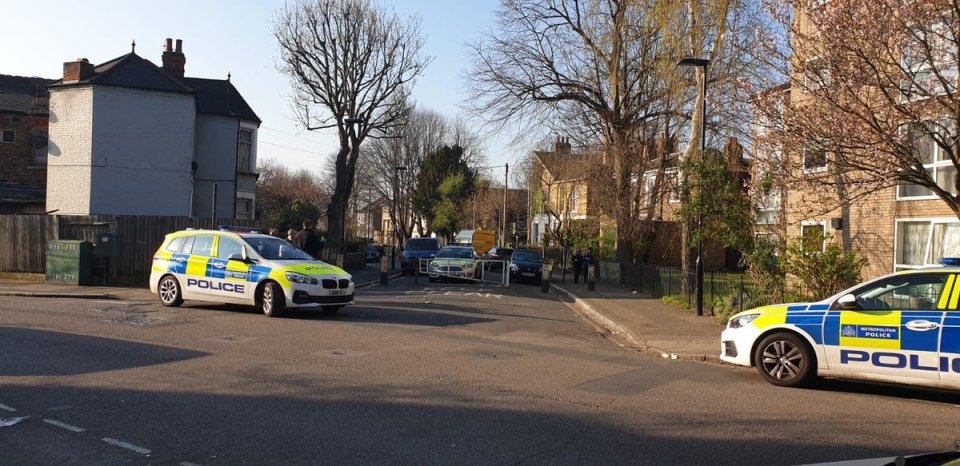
x=416 y=249
x=497 y=254
x=374 y=253
x=526 y=265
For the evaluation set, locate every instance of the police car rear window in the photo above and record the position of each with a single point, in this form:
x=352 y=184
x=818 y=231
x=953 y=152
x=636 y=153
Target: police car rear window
x=203 y=245
x=174 y=245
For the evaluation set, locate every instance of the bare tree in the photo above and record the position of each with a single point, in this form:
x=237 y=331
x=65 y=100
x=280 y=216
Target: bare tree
x=873 y=100
x=351 y=64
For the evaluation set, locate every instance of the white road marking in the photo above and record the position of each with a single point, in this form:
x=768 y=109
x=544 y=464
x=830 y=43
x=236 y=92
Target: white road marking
x=7 y=408
x=128 y=446
x=187 y=463
x=64 y=425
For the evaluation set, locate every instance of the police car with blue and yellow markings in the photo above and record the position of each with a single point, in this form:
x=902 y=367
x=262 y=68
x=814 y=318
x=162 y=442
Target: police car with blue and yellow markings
x=902 y=328
x=245 y=268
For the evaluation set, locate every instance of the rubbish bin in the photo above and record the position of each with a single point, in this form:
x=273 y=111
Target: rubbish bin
x=69 y=261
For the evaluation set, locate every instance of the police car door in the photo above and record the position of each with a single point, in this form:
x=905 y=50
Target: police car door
x=894 y=332
x=950 y=338
x=228 y=277
x=196 y=277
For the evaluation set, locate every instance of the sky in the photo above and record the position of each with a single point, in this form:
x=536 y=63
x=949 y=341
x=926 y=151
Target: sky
x=235 y=37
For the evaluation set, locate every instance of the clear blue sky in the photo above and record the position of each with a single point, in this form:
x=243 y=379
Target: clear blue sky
x=221 y=37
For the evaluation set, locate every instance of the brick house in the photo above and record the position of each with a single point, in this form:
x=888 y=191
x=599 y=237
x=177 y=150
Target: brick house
x=900 y=227
x=23 y=143
x=561 y=189
x=130 y=138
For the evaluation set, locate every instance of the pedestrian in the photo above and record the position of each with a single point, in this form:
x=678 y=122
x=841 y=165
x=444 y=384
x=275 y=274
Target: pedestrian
x=577 y=265
x=307 y=240
x=587 y=263
x=290 y=233
x=274 y=231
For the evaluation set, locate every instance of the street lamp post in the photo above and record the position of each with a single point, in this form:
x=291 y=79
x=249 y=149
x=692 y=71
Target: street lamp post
x=702 y=63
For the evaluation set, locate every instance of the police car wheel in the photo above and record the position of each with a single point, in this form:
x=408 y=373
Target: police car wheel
x=169 y=292
x=271 y=300
x=784 y=359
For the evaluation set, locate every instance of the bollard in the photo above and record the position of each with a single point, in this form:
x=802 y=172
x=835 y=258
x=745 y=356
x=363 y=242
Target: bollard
x=591 y=282
x=383 y=271
x=544 y=280
x=416 y=273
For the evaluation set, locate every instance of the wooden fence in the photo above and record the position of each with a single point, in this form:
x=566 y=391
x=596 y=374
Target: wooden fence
x=23 y=239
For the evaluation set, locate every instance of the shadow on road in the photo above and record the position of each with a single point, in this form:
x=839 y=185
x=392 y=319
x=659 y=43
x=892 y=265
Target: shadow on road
x=33 y=352
x=396 y=425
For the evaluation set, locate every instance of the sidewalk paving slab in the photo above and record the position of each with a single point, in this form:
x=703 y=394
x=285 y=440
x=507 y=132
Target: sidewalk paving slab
x=647 y=323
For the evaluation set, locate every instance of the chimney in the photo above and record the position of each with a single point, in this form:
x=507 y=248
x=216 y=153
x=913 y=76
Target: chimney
x=78 y=70
x=561 y=145
x=174 y=59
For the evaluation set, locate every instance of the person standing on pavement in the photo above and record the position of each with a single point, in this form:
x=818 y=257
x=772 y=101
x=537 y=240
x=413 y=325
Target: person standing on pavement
x=290 y=234
x=307 y=240
x=587 y=262
x=577 y=265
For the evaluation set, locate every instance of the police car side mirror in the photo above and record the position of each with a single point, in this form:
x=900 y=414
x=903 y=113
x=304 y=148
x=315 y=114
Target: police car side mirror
x=236 y=257
x=848 y=302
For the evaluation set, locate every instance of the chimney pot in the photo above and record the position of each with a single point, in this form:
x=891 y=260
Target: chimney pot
x=174 y=60
x=179 y=46
x=169 y=45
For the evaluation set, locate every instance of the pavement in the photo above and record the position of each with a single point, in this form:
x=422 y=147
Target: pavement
x=635 y=319
x=644 y=322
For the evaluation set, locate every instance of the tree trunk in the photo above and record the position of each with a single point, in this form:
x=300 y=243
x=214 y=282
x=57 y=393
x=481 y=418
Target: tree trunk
x=346 y=169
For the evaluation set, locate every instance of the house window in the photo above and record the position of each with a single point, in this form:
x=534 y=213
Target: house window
x=814 y=157
x=8 y=136
x=924 y=242
x=768 y=209
x=244 y=208
x=817 y=74
x=575 y=200
x=243 y=151
x=935 y=160
x=813 y=234
x=929 y=61
x=38 y=144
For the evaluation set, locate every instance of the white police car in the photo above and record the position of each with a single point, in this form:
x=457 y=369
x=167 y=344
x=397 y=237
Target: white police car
x=902 y=328
x=245 y=268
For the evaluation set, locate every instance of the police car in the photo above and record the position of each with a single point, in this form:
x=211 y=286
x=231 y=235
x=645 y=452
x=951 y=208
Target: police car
x=245 y=268
x=455 y=262
x=902 y=328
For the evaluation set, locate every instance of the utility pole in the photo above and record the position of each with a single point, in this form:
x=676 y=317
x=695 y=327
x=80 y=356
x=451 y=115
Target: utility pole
x=506 y=181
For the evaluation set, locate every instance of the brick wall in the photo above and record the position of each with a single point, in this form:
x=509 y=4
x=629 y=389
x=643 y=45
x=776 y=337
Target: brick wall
x=69 y=154
x=17 y=158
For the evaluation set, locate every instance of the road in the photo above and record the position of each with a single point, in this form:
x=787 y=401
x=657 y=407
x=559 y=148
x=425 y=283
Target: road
x=427 y=374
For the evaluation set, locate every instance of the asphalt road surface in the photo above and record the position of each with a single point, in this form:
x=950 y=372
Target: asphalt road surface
x=428 y=374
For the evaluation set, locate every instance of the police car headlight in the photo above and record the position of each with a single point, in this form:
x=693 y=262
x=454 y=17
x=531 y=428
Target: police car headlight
x=299 y=278
x=742 y=321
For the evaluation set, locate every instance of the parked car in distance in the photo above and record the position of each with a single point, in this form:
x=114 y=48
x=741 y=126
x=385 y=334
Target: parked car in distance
x=373 y=254
x=526 y=265
x=414 y=250
x=497 y=254
x=457 y=261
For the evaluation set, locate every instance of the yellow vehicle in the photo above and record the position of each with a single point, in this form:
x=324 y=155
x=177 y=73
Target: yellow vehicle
x=245 y=268
x=481 y=240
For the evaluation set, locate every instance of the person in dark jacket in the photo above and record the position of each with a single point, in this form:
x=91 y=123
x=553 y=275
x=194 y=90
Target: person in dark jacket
x=577 y=265
x=307 y=240
x=587 y=262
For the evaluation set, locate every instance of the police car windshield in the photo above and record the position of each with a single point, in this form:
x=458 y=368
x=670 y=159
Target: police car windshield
x=275 y=249
x=455 y=253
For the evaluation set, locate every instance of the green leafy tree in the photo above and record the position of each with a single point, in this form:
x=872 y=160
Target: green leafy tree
x=447 y=216
x=728 y=217
x=437 y=167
